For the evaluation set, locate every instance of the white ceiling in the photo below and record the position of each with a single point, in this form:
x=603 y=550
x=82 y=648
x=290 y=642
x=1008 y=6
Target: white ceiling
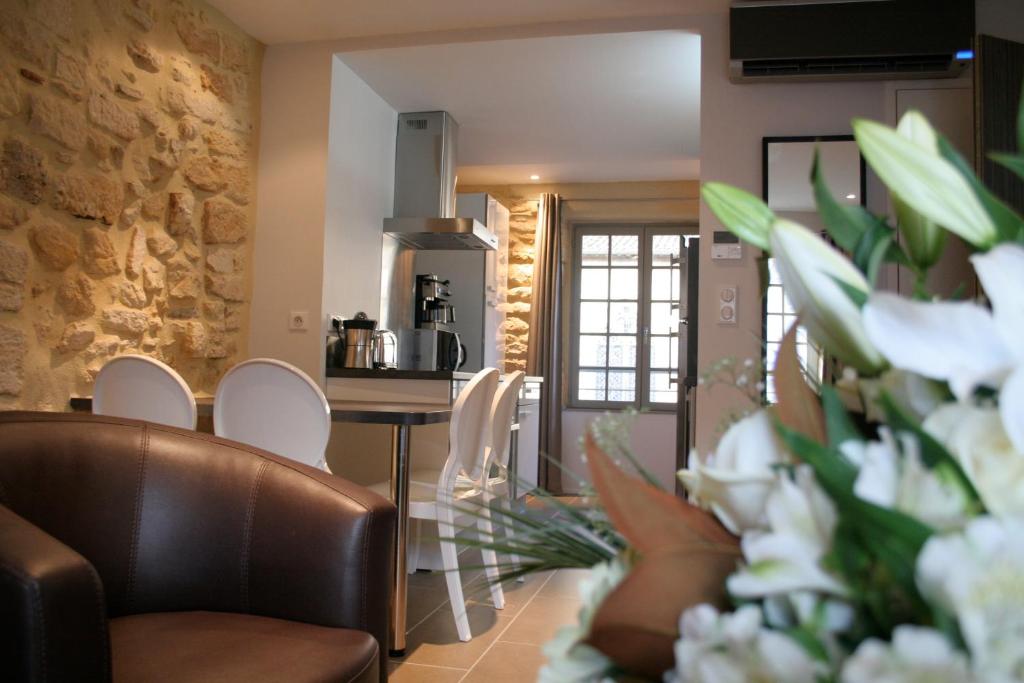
x=588 y=108
x=276 y=21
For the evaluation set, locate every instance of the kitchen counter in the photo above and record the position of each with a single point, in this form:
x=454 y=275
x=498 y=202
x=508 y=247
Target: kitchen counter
x=375 y=373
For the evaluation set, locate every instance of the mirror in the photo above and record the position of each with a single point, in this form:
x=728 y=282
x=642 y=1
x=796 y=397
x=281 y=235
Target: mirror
x=787 y=163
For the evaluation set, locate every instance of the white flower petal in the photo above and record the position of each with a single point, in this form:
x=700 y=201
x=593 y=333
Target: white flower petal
x=956 y=342
x=1001 y=272
x=878 y=478
x=1011 y=408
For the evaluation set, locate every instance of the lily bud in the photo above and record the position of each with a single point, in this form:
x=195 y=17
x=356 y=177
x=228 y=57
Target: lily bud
x=811 y=274
x=923 y=239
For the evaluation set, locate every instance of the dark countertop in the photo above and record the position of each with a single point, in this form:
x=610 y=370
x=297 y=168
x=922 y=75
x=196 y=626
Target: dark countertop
x=374 y=373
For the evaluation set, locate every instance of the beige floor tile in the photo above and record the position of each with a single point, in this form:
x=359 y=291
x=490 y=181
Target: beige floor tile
x=404 y=672
x=553 y=608
x=533 y=630
x=436 y=640
x=507 y=663
x=422 y=601
x=516 y=594
x=565 y=583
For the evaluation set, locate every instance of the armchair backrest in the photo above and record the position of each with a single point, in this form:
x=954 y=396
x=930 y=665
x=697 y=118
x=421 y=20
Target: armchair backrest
x=175 y=520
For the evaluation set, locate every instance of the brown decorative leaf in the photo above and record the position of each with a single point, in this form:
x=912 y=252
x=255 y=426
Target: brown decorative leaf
x=650 y=519
x=798 y=407
x=638 y=623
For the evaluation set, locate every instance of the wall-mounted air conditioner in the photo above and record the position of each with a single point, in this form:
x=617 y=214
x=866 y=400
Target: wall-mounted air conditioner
x=827 y=40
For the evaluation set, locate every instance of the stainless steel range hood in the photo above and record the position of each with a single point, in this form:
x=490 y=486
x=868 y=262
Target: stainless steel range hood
x=425 y=158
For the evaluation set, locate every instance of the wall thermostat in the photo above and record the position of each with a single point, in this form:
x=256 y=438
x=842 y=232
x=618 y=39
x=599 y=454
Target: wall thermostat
x=725 y=246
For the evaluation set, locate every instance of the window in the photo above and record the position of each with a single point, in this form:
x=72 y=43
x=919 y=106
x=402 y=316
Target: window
x=625 y=316
x=779 y=316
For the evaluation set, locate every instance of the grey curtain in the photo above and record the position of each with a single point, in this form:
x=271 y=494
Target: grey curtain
x=544 y=350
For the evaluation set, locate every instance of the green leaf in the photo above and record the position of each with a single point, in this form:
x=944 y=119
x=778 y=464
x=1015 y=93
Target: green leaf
x=871 y=249
x=926 y=182
x=1020 y=123
x=857 y=296
x=1013 y=162
x=845 y=224
x=743 y=214
x=838 y=424
x=1008 y=222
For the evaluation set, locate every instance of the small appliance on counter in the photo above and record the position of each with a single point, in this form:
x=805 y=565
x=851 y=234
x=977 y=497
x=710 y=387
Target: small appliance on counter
x=432 y=344
x=361 y=345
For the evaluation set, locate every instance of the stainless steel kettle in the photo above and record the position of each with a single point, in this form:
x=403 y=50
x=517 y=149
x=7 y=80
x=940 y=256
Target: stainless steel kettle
x=385 y=349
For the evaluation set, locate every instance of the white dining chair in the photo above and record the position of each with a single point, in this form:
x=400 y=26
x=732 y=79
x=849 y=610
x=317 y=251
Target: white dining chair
x=495 y=473
x=143 y=388
x=451 y=497
x=273 y=405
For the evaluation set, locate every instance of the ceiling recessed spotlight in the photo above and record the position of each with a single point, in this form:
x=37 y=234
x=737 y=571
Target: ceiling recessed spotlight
x=851 y=196
x=535 y=177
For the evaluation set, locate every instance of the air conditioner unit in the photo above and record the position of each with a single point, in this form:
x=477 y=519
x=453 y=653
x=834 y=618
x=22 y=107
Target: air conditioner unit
x=832 y=40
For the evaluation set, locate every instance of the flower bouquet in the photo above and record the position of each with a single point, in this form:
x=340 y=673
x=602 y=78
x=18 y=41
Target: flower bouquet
x=871 y=530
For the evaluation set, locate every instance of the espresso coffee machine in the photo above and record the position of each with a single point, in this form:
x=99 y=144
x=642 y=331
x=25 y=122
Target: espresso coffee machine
x=432 y=344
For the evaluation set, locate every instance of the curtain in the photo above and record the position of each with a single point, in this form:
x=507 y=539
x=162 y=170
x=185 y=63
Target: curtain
x=544 y=349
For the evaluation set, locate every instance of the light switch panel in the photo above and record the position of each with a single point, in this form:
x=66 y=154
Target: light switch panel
x=727 y=305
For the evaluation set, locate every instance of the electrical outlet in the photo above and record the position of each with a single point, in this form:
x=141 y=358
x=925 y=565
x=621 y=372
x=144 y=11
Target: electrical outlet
x=727 y=305
x=298 y=321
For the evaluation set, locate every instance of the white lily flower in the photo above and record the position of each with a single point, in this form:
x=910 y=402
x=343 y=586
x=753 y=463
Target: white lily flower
x=916 y=655
x=976 y=437
x=569 y=659
x=736 y=648
x=916 y=395
x=978 y=575
x=894 y=476
x=736 y=479
x=810 y=269
x=923 y=238
x=801 y=519
x=963 y=343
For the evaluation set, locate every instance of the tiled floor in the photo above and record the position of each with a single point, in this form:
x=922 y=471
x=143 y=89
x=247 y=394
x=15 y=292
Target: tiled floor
x=506 y=644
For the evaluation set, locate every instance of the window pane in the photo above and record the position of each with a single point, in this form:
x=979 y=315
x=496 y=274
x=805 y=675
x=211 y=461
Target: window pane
x=661 y=353
x=623 y=316
x=593 y=317
x=775 y=299
x=664 y=248
x=622 y=352
x=664 y=287
x=591 y=385
x=664 y=320
x=595 y=250
x=771 y=351
x=624 y=282
x=625 y=250
x=621 y=386
x=594 y=283
x=661 y=391
x=593 y=350
x=774 y=328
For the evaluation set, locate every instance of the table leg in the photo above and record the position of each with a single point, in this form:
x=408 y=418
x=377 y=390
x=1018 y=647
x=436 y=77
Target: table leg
x=400 y=496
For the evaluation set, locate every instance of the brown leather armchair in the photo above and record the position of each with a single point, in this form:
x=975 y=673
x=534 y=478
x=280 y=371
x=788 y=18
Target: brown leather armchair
x=135 y=552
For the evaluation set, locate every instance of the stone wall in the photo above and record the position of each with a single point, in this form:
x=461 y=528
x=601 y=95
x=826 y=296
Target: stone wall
x=127 y=160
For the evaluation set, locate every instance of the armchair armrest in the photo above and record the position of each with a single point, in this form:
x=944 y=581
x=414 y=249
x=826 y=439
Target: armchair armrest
x=52 y=610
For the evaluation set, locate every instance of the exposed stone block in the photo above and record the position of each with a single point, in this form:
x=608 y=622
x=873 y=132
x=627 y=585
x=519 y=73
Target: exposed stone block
x=13 y=347
x=144 y=56
x=99 y=257
x=12 y=297
x=75 y=294
x=89 y=196
x=222 y=222
x=107 y=114
x=198 y=39
x=217 y=83
x=228 y=287
x=153 y=275
x=137 y=253
x=11 y=214
x=76 y=337
x=22 y=173
x=131 y=294
x=180 y=207
x=125 y=321
x=224 y=260
x=55 y=246
x=10 y=103
x=161 y=244
x=13 y=263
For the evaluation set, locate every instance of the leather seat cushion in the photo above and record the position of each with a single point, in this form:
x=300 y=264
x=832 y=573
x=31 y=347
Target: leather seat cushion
x=225 y=647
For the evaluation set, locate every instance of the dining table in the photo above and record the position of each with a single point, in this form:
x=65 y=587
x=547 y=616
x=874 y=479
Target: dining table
x=401 y=417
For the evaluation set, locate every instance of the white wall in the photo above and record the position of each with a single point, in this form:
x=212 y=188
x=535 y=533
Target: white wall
x=734 y=118
x=360 y=192
x=654 y=444
x=326 y=175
